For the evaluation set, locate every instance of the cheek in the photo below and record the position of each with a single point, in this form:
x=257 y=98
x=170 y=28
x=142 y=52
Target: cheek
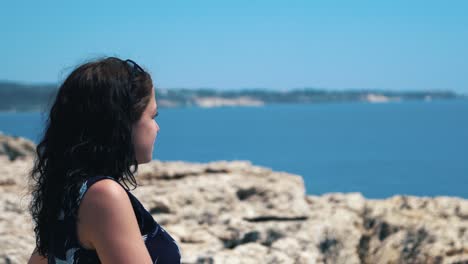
x=143 y=134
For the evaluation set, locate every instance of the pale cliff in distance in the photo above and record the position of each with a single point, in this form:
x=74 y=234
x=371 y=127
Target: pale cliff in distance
x=236 y=212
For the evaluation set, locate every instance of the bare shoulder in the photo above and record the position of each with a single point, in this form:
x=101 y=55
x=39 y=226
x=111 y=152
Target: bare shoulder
x=105 y=193
x=36 y=258
x=109 y=225
x=104 y=199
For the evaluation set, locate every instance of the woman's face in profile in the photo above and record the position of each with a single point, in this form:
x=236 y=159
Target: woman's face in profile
x=145 y=131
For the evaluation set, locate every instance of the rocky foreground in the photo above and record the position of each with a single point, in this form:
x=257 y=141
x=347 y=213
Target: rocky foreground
x=235 y=212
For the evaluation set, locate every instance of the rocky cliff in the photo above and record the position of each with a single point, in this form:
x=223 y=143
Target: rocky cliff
x=236 y=212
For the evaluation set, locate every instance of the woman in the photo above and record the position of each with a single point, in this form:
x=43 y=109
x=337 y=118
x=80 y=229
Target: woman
x=100 y=125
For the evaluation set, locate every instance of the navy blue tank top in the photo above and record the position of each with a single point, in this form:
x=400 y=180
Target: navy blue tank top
x=68 y=250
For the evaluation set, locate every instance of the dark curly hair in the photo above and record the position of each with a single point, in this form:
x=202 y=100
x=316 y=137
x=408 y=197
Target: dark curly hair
x=88 y=132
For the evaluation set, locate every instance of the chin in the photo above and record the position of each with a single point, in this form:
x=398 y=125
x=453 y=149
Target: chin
x=145 y=160
x=148 y=160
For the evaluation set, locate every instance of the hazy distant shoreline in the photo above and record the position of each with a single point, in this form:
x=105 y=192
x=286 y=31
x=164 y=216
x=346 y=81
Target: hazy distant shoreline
x=16 y=97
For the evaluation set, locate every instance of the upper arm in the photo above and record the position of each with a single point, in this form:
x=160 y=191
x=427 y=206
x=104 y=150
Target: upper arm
x=111 y=225
x=36 y=258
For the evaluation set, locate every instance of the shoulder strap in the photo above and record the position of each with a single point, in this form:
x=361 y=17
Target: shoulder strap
x=84 y=187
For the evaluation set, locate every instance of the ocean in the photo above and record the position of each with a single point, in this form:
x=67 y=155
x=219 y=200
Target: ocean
x=379 y=149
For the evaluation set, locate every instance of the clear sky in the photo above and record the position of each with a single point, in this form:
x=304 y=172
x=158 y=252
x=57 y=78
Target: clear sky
x=398 y=45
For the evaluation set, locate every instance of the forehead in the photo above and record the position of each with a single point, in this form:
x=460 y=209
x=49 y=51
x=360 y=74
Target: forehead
x=152 y=104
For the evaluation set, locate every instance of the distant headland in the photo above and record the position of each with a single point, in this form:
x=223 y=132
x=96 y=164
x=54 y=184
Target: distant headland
x=35 y=97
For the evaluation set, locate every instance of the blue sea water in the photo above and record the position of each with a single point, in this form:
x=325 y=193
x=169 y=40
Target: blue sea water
x=413 y=147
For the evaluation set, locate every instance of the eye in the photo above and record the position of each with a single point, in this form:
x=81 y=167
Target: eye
x=157 y=114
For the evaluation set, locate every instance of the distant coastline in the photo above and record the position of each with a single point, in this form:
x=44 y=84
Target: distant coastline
x=17 y=97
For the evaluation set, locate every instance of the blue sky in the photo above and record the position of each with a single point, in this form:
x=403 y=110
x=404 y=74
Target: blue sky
x=397 y=45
